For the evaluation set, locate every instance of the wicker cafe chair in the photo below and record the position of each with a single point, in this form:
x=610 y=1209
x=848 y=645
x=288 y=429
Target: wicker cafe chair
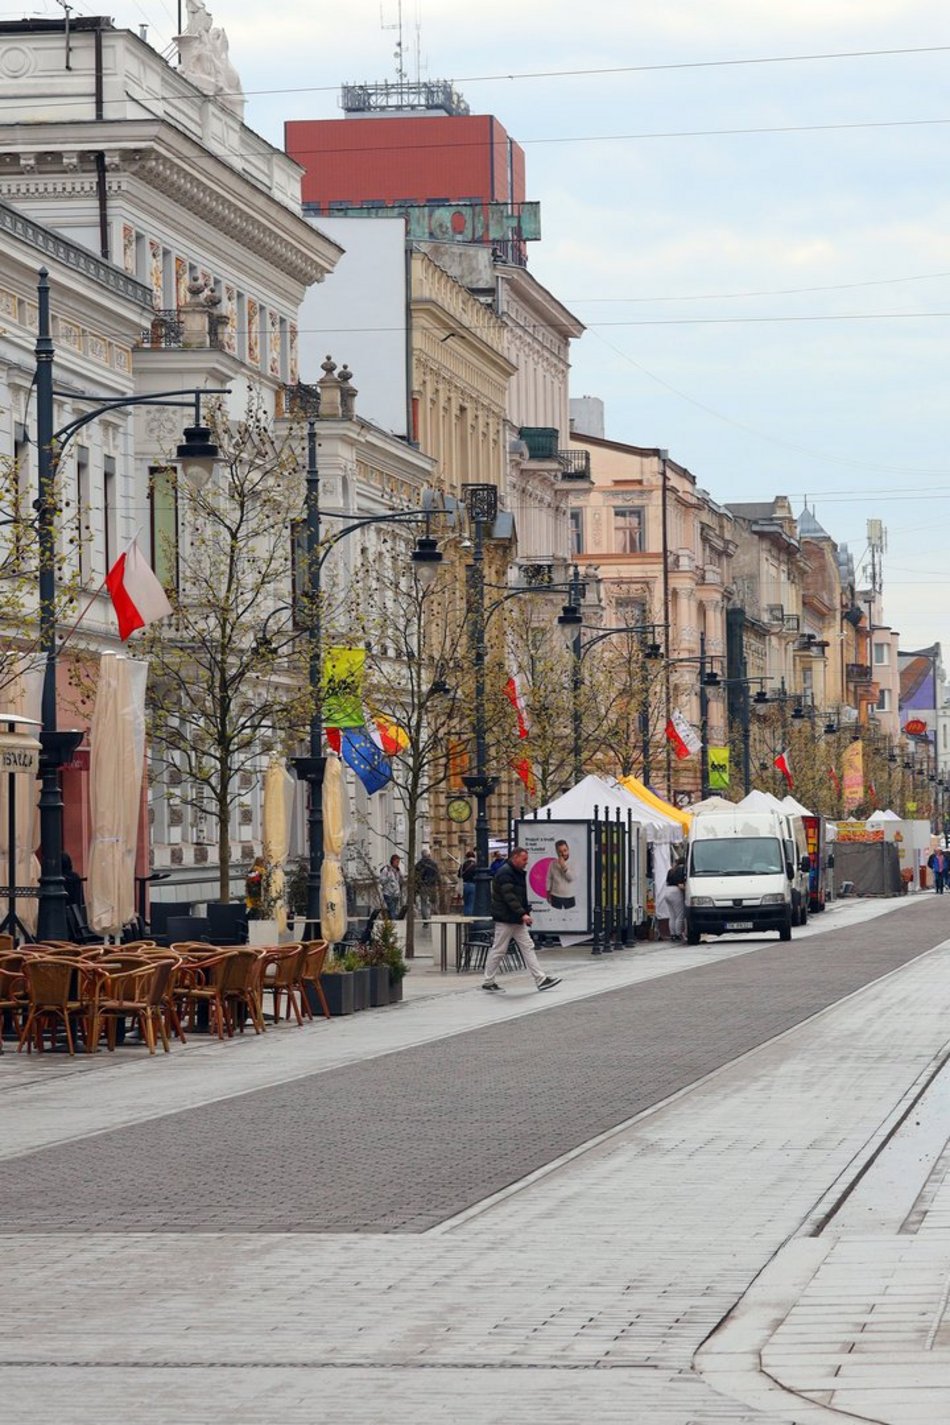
x=281 y=974
x=55 y=989
x=135 y=989
x=13 y=998
x=198 y=981
x=315 y=955
x=241 y=990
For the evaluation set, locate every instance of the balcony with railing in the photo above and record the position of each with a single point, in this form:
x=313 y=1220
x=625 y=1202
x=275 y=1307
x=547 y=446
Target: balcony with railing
x=542 y=445
x=166 y=331
x=858 y=672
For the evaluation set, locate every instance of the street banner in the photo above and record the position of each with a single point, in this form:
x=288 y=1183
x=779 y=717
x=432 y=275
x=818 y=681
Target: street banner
x=343 y=687
x=852 y=768
x=718 y=769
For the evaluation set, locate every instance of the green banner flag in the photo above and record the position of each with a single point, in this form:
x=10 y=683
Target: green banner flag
x=718 y=769
x=343 y=687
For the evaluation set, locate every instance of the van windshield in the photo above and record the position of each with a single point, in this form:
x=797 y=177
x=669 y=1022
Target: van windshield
x=738 y=856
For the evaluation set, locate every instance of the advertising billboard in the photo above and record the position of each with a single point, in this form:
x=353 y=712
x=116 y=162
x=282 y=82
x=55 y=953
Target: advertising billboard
x=558 y=875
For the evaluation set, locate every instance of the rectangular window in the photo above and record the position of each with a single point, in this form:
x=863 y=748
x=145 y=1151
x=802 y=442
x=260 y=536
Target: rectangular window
x=577 y=531
x=882 y=654
x=884 y=700
x=628 y=531
x=163 y=522
x=83 y=532
x=109 y=511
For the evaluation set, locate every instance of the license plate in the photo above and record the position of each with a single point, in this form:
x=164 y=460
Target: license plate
x=738 y=924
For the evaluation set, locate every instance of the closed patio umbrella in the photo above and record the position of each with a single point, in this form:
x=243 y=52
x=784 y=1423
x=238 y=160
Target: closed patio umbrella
x=332 y=884
x=117 y=740
x=278 y=810
x=23 y=696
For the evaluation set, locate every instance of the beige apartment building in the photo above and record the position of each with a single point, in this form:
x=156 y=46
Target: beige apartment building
x=663 y=550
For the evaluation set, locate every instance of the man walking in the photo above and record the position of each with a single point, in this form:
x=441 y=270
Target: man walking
x=511 y=912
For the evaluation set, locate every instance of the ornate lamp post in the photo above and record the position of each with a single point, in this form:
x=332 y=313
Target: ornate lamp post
x=198 y=454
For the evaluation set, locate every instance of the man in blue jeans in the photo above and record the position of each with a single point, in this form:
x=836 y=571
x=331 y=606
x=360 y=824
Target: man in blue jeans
x=511 y=912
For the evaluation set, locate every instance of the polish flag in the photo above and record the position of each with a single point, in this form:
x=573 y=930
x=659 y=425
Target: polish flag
x=783 y=764
x=523 y=769
x=514 y=696
x=137 y=596
x=683 y=737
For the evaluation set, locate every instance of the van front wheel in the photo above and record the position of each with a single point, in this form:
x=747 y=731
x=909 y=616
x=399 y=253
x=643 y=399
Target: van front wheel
x=785 y=931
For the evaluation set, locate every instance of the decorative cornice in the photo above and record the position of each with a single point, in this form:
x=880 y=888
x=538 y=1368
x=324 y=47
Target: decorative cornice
x=198 y=196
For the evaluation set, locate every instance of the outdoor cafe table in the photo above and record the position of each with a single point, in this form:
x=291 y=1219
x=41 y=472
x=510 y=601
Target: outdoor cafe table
x=443 y=922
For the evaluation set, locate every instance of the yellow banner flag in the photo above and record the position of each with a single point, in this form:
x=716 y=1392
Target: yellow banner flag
x=852 y=775
x=343 y=687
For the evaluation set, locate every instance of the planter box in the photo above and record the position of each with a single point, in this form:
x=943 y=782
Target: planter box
x=262 y=932
x=338 y=989
x=379 y=985
x=395 y=990
x=361 y=988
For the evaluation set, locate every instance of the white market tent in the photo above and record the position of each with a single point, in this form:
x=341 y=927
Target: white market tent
x=795 y=808
x=877 y=817
x=578 y=805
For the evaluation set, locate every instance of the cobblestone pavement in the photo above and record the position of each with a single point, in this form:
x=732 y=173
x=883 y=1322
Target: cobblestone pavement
x=581 y=1294
x=361 y=1149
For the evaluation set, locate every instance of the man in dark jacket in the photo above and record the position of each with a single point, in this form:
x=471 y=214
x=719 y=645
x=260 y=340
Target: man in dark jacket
x=511 y=912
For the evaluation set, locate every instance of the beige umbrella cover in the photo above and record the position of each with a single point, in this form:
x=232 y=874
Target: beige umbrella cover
x=278 y=810
x=24 y=697
x=117 y=739
x=332 y=884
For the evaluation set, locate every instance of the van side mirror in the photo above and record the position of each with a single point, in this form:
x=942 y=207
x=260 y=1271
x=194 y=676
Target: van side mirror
x=805 y=863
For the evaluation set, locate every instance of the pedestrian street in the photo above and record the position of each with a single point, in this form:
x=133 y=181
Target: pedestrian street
x=535 y=1209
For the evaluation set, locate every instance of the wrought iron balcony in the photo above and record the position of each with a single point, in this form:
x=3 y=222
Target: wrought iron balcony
x=166 y=331
x=575 y=464
x=858 y=672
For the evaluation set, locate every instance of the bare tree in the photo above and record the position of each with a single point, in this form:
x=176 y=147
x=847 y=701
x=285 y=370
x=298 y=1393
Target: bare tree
x=227 y=684
x=415 y=675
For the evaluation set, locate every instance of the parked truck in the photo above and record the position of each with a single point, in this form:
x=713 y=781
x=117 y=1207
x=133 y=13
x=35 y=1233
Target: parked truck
x=744 y=874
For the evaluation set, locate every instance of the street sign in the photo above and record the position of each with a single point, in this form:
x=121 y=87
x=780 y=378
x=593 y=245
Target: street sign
x=19 y=753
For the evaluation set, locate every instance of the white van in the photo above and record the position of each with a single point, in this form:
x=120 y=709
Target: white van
x=741 y=874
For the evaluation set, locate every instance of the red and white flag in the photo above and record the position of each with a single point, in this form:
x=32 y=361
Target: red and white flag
x=514 y=696
x=686 y=741
x=137 y=596
x=783 y=764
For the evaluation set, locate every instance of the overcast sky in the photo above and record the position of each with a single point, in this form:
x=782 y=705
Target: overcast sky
x=772 y=307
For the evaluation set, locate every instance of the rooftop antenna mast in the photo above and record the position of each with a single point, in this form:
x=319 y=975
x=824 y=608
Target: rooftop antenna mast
x=398 y=53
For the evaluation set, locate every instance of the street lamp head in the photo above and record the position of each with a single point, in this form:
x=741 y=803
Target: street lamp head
x=798 y=712
x=197 y=455
x=711 y=678
x=569 y=621
x=653 y=651
x=831 y=728
x=426 y=558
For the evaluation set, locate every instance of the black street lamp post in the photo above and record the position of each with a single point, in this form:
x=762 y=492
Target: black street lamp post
x=196 y=451
x=426 y=558
x=571 y=622
x=481 y=502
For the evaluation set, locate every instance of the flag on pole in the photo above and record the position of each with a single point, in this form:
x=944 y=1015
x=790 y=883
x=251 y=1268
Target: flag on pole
x=514 y=696
x=836 y=780
x=392 y=738
x=783 y=764
x=360 y=751
x=686 y=741
x=137 y=596
x=523 y=770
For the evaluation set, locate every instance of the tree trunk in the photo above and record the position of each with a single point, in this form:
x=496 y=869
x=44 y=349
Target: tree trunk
x=224 y=850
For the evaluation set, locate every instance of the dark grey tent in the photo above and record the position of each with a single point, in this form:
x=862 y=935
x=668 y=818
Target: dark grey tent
x=872 y=866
